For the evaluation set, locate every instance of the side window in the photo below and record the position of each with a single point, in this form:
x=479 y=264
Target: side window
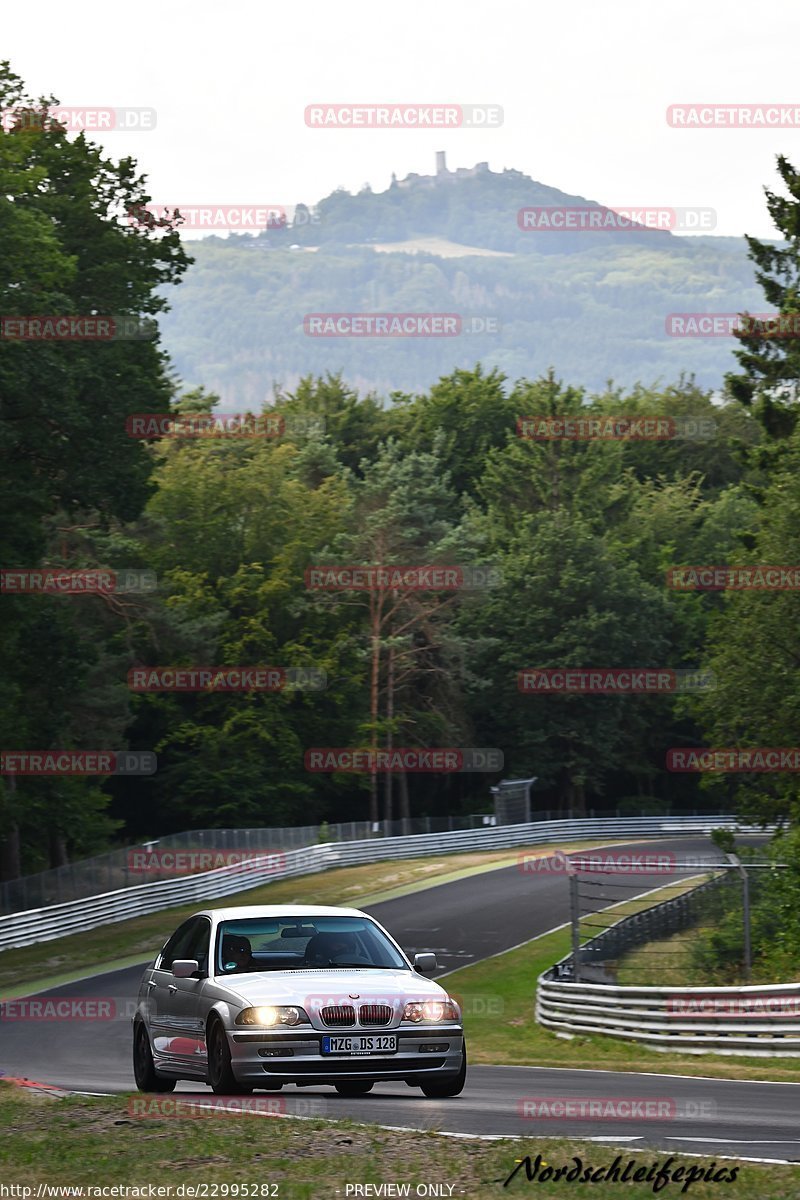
x=176 y=945
x=198 y=944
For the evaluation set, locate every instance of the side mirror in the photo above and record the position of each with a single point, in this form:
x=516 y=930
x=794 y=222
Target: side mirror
x=425 y=963
x=184 y=968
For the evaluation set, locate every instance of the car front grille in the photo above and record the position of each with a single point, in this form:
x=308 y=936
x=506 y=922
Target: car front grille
x=338 y=1015
x=375 y=1014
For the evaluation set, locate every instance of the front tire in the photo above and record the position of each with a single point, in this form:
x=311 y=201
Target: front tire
x=453 y=1086
x=353 y=1087
x=144 y=1070
x=220 y=1070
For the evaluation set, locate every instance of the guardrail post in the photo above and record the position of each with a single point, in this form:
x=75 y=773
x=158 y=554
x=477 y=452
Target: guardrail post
x=748 y=953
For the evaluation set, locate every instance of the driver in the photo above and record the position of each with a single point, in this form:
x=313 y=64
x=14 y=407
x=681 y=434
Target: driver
x=237 y=954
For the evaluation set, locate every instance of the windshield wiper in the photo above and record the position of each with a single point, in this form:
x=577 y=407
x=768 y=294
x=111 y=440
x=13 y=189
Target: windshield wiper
x=364 y=966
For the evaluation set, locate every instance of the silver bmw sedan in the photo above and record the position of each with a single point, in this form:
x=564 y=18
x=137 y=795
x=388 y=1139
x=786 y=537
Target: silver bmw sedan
x=258 y=997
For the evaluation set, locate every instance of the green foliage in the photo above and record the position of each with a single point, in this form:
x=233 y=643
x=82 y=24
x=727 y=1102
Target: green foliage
x=768 y=381
x=724 y=840
x=642 y=806
x=324 y=833
x=718 y=951
x=753 y=648
x=69 y=466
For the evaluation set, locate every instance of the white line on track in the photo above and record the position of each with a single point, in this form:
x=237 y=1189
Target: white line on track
x=738 y=1141
x=634 y=1074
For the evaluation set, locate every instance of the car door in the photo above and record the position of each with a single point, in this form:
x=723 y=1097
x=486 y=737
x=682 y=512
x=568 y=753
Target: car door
x=189 y=1002
x=162 y=1001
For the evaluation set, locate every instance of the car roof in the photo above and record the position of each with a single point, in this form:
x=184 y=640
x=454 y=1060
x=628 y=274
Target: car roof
x=245 y=911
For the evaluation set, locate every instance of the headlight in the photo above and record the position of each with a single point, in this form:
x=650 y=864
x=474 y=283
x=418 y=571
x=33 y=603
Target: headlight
x=267 y=1016
x=433 y=1011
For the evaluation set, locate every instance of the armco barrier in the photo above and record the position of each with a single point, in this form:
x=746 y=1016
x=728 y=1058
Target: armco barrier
x=116 y=868
x=77 y=916
x=756 y=1020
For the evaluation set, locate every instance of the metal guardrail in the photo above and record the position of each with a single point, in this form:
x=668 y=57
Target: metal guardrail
x=77 y=916
x=754 y=1020
x=117 y=868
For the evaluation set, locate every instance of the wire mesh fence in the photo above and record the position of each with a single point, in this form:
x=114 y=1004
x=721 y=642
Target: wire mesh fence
x=635 y=922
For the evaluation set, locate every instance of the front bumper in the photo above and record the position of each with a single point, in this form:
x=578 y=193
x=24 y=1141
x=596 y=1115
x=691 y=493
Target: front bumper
x=292 y=1056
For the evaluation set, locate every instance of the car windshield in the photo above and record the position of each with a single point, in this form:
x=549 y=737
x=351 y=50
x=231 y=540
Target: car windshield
x=302 y=943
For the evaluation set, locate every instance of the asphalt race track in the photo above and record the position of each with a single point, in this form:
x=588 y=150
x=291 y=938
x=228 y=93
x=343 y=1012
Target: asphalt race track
x=462 y=921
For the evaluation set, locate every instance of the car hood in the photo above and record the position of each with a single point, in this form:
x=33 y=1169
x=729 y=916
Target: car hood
x=313 y=988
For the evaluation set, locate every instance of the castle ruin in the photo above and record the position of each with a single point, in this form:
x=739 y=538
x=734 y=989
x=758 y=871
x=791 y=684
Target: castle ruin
x=442 y=175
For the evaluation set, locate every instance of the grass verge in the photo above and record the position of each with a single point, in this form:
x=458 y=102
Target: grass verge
x=666 y=961
x=128 y=942
x=81 y=1141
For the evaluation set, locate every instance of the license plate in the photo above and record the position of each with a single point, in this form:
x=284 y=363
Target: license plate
x=365 y=1043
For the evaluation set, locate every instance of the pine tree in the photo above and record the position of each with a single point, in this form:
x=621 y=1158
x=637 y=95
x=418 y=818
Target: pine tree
x=769 y=383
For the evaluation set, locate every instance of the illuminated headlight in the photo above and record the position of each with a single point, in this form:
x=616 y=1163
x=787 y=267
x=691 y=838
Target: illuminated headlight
x=432 y=1011
x=267 y=1017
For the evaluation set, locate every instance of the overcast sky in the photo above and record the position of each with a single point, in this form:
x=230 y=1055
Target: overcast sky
x=584 y=89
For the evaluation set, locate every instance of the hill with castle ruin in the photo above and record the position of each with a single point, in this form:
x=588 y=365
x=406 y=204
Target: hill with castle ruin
x=593 y=304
